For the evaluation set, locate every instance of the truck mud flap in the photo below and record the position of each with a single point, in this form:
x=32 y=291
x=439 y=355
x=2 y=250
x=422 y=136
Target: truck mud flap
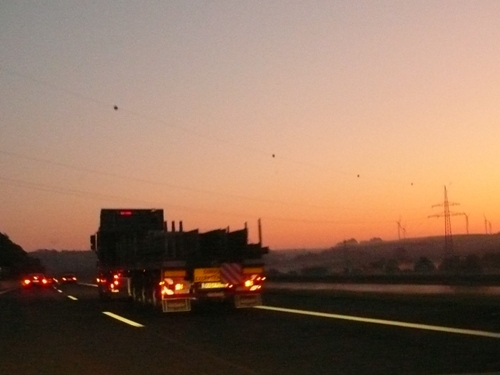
x=247 y=300
x=176 y=305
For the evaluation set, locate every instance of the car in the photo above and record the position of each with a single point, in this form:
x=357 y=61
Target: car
x=67 y=278
x=52 y=279
x=36 y=280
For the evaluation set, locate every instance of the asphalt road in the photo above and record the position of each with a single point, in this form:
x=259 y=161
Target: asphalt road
x=45 y=331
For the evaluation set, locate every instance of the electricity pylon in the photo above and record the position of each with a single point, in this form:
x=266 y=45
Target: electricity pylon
x=448 y=238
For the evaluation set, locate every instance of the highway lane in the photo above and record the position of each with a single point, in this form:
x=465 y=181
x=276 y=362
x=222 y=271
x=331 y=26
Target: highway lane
x=48 y=330
x=45 y=332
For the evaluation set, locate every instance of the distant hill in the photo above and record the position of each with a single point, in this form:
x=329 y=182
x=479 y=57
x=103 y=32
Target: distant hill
x=81 y=262
x=14 y=261
x=371 y=256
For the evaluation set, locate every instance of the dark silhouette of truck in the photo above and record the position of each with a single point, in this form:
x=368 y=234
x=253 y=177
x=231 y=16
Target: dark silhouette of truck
x=140 y=258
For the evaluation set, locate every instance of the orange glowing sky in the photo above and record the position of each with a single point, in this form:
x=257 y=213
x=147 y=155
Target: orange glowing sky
x=329 y=120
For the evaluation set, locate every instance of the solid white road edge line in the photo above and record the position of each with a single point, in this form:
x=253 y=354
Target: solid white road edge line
x=385 y=322
x=122 y=319
x=88 y=284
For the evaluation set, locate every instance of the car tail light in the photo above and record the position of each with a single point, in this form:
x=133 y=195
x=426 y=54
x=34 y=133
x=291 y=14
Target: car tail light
x=254 y=282
x=248 y=283
x=169 y=286
x=167 y=291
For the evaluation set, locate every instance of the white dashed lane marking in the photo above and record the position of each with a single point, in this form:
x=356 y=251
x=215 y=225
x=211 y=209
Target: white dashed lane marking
x=122 y=319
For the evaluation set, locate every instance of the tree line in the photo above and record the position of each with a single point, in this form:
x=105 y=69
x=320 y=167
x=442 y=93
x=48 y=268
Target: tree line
x=14 y=261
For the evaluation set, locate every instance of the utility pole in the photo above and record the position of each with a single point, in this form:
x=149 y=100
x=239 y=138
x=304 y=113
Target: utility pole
x=347 y=265
x=448 y=238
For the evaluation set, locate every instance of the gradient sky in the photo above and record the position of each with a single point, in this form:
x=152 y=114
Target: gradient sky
x=329 y=120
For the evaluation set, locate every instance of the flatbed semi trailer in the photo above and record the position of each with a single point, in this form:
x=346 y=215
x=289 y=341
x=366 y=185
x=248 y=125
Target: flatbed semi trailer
x=140 y=258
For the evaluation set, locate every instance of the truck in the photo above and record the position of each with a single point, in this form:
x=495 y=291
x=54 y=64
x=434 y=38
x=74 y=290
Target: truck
x=140 y=258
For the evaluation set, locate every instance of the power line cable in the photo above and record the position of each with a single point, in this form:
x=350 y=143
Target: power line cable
x=157 y=183
x=94 y=195
x=189 y=131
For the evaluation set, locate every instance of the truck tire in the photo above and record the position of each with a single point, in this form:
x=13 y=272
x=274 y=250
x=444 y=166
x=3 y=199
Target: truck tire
x=143 y=296
x=155 y=300
x=135 y=294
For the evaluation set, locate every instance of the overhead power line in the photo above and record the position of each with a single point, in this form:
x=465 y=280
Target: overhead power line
x=205 y=136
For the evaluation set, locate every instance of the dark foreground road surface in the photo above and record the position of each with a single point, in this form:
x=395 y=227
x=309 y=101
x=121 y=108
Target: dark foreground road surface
x=44 y=331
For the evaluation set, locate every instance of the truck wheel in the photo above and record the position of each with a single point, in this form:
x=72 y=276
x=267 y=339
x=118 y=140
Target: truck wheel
x=143 y=297
x=155 y=301
x=135 y=294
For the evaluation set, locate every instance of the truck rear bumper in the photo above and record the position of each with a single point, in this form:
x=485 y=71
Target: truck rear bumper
x=240 y=300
